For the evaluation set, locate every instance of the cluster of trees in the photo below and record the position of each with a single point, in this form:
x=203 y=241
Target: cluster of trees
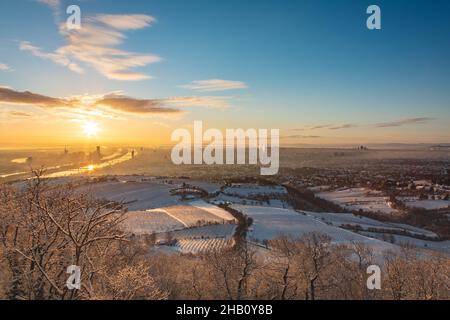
x=45 y=228
x=307 y=268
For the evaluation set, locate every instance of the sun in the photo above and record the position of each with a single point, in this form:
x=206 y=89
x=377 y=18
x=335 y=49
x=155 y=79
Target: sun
x=90 y=129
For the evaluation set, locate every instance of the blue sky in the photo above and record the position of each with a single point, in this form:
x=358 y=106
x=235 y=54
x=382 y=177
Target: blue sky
x=305 y=64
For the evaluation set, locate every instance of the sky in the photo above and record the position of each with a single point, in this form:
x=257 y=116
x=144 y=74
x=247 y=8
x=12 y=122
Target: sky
x=138 y=70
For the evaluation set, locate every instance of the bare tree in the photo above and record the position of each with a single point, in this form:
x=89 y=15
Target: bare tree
x=313 y=261
x=46 y=228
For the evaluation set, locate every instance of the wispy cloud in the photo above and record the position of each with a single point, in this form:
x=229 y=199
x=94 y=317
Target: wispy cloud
x=56 y=57
x=403 y=122
x=326 y=126
x=214 y=85
x=78 y=104
x=320 y=127
x=310 y=128
x=12 y=97
x=102 y=105
x=124 y=22
x=96 y=45
x=343 y=126
x=387 y=124
x=130 y=105
x=199 y=101
x=12 y=113
x=5 y=67
x=21 y=114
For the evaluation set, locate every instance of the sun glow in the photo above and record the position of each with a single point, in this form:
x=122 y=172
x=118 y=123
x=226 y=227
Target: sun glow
x=90 y=129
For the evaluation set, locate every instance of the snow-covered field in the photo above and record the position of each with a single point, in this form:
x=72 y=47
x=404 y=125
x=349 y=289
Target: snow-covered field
x=192 y=216
x=200 y=239
x=172 y=218
x=201 y=245
x=272 y=222
x=148 y=222
x=268 y=223
x=443 y=246
x=137 y=195
x=141 y=193
x=246 y=194
x=359 y=199
x=199 y=226
x=349 y=219
x=219 y=212
x=275 y=203
x=425 y=204
x=224 y=231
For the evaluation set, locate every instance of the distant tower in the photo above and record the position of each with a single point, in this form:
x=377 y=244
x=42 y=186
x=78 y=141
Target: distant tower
x=65 y=150
x=98 y=150
x=132 y=154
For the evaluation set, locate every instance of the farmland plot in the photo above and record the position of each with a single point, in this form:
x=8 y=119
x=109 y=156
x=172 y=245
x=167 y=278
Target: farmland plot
x=275 y=203
x=199 y=239
x=219 y=212
x=192 y=216
x=412 y=202
x=224 y=231
x=341 y=219
x=442 y=246
x=148 y=222
x=138 y=195
x=359 y=199
x=272 y=222
x=201 y=245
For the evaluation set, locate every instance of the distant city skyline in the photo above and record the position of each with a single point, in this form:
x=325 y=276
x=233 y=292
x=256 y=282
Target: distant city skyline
x=138 y=70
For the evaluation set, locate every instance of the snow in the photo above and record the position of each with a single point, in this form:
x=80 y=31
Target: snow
x=276 y=203
x=207 y=186
x=359 y=199
x=192 y=216
x=268 y=223
x=198 y=246
x=219 y=212
x=138 y=196
x=148 y=222
x=200 y=239
x=426 y=204
x=442 y=246
x=224 y=231
x=340 y=219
